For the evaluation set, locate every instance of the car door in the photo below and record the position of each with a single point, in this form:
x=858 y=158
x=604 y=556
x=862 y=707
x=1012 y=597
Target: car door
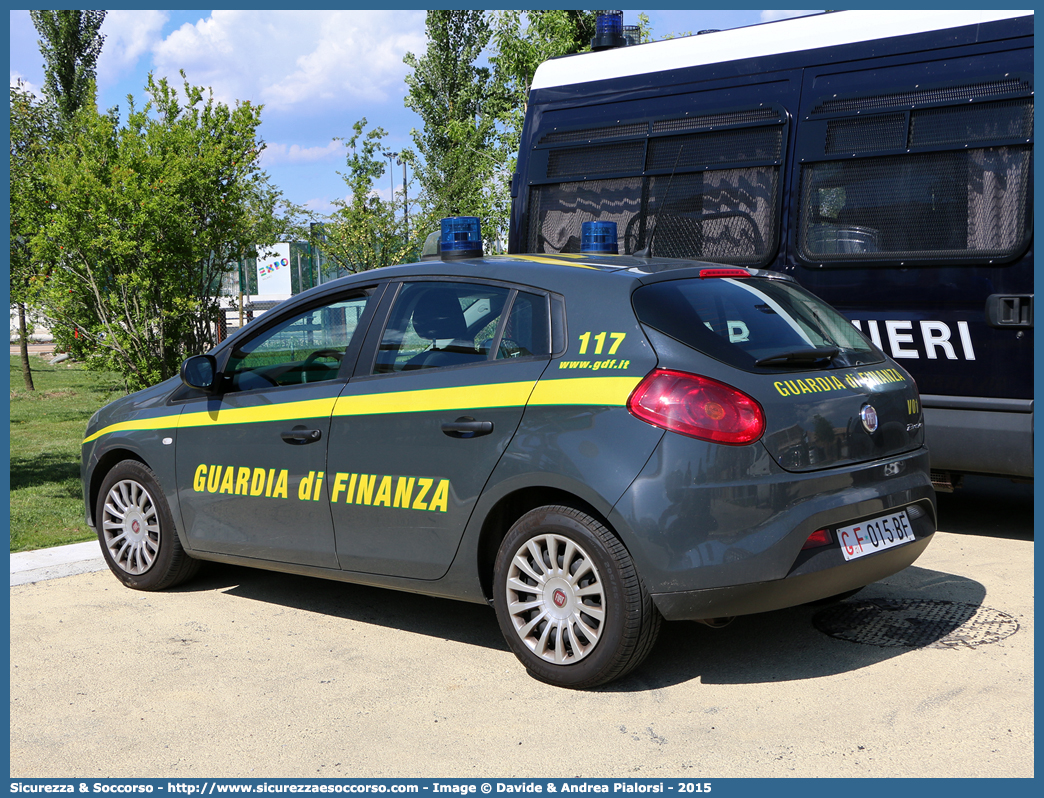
x=436 y=398
x=251 y=459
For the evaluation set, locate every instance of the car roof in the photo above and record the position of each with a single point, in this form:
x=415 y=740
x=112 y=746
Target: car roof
x=545 y=270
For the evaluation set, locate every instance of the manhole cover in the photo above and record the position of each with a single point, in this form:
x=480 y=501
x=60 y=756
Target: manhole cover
x=915 y=623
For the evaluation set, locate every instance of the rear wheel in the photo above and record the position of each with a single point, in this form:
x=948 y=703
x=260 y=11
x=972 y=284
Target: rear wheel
x=136 y=530
x=569 y=601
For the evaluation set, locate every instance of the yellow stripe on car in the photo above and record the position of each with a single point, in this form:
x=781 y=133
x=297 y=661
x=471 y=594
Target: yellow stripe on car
x=552 y=261
x=464 y=397
x=601 y=391
x=288 y=411
x=163 y=422
x=610 y=391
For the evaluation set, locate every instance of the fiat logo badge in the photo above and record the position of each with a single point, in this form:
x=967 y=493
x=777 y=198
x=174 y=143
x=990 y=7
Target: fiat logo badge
x=559 y=597
x=869 y=418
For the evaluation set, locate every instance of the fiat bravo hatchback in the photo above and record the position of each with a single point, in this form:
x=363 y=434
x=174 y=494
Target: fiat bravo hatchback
x=589 y=443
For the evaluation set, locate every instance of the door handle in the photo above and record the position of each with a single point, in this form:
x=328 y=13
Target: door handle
x=466 y=427
x=299 y=436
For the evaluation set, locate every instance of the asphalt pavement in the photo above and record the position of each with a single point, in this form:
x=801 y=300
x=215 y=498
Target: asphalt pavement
x=245 y=673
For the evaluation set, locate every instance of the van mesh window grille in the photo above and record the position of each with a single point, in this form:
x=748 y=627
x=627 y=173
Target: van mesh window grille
x=950 y=94
x=752 y=116
x=557 y=211
x=604 y=159
x=867 y=134
x=964 y=124
x=967 y=205
x=726 y=215
x=702 y=150
x=592 y=133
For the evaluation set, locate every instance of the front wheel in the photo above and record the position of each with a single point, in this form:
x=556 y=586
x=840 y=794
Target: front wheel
x=136 y=530
x=569 y=601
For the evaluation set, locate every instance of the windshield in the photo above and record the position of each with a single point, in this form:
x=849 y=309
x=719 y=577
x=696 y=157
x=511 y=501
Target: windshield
x=743 y=321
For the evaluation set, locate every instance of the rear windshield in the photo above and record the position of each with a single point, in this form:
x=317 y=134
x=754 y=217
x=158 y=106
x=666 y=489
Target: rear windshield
x=742 y=321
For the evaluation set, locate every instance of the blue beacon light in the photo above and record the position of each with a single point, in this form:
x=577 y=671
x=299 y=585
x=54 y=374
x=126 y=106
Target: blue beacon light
x=598 y=238
x=461 y=237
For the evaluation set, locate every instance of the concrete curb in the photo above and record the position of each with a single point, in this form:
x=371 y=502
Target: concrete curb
x=43 y=564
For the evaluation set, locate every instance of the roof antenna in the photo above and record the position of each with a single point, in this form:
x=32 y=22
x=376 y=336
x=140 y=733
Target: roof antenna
x=646 y=251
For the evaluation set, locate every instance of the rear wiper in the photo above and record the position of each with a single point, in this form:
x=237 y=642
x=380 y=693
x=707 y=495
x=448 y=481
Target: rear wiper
x=800 y=356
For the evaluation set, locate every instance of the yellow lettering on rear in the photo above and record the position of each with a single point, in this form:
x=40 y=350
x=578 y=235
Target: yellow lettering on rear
x=213 y=479
x=242 y=481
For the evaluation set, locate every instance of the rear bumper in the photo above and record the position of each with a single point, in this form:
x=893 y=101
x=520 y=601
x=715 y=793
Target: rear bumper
x=799 y=588
x=979 y=436
x=717 y=530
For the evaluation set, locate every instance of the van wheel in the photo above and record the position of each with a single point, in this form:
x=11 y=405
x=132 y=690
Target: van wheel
x=136 y=530
x=569 y=601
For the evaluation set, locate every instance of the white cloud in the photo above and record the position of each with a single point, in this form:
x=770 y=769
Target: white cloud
x=128 y=36
x=773 y=15
x=320 y=205
x=29 y=87
x=294 y=59
x=281 y=153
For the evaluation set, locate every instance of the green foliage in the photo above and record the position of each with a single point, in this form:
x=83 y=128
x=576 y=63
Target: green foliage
x=143 y=219
x=32 y=130
x=455 y=163
x=473 y=115
x=46 y=430
x=70 y=46
x=364 y=231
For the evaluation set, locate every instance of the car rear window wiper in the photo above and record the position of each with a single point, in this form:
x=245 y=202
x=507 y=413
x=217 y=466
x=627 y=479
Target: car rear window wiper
x=800 y=356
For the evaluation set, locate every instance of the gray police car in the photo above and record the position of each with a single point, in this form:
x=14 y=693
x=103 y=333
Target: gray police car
x=589 y=442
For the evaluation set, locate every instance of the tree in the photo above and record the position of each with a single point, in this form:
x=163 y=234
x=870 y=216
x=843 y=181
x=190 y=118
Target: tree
x=363 y=232
x=70 y=46
x=32 y=128
x=144 y=220
x=454 y=163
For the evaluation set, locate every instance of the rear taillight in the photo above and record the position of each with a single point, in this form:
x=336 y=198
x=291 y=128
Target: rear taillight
x=697 y=406
x=821 y=537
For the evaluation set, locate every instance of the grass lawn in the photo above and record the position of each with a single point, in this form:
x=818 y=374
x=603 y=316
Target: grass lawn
x=46 y=430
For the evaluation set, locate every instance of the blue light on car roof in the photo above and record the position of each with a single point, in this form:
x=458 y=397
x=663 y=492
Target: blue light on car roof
x=598 y=238
x=461 y=237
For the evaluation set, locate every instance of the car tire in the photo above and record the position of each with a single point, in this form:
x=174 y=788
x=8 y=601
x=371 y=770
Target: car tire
x=136 y=530
x=588 y=619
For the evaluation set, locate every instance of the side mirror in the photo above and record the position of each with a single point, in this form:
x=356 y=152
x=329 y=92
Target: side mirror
x=199 y=372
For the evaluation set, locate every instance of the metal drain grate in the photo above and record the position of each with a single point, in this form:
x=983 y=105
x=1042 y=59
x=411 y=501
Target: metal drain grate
x=915 y=623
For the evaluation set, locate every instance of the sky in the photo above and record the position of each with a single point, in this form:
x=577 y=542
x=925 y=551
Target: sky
x=315 y=72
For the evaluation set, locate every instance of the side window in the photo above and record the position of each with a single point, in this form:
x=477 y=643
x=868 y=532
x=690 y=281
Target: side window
x=304 y=347
x=433 y=325
x=526 y=330
x=704 y=185
x=918 y=175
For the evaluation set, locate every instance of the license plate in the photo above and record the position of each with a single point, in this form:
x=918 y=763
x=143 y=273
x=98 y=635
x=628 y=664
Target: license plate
x=877 y=534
